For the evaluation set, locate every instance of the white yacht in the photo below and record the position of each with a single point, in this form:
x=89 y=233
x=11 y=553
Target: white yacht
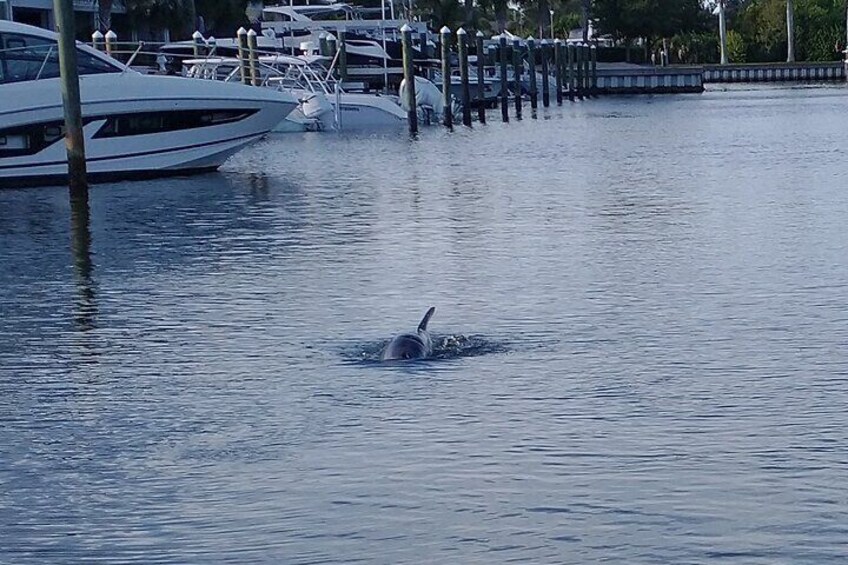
x=323 y=104
x=134 y=125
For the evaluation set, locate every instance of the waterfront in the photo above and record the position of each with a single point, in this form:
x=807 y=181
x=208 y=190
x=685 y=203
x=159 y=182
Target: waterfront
x=657 y=286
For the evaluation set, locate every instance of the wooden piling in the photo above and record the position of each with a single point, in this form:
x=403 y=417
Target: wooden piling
x=342 y=56
x=570 y=78
x=462 y=52
x=586 y=65
x=531 y=71
x=197 y=44
x=332 y=45
x=445 y=39
x=323 y=46
x=481 y=85
x=578 y=76
x=517 y=72
x=409 y=78
x=71 y=101
x=558 y=70
x=253 y=58
x=546 y=79
x=504 y=84
x=97 y=40
x=241 y=40
x=593 y=81
x=111 y=39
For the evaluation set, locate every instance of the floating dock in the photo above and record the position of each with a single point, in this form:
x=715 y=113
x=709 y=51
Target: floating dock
x=775 y=72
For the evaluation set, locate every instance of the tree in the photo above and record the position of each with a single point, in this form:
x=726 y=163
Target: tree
x=648 y=19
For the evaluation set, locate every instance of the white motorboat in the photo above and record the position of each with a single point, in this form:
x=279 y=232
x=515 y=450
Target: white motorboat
x=134 y=125
x=323 y=103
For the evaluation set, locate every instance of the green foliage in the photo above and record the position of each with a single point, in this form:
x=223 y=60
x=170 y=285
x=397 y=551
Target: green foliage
x=819 y=26
x=735 y=47
x=174 y=15
x=633 y=19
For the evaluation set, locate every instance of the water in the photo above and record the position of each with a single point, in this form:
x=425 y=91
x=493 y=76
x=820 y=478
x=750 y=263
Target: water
x=641 y=303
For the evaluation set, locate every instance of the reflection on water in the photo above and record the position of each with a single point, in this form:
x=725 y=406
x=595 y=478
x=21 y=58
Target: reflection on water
x=81 y=250
x=640 y=341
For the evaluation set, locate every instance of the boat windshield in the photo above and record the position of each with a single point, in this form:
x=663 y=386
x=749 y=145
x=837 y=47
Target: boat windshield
x=28 y=57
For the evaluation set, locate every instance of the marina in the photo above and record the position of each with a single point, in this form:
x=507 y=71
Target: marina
x=353 y=284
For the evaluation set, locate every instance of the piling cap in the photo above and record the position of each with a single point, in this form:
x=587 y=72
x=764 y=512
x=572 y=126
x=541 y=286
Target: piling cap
x=558 y=41
x=460 y=31
x=530 y=38
x=445 y=30
x=197 y=36
x=251 y=33
x=331 y=37
x=480 y=33
x=544 y=41
x=211 y=40
x=241 y=31
x=97 y=35
x=405 y=28
x=110 y=35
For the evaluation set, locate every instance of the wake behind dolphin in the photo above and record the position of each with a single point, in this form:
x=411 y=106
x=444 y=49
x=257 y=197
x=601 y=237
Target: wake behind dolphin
x=411 y=346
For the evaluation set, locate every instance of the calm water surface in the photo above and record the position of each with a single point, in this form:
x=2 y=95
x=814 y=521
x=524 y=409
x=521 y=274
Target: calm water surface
x=654 y=290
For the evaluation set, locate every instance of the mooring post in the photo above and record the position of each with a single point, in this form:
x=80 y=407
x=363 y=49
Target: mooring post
x=97 y=40
x=517 y=72
x=323 y=46
x=111 y=39
x=253 y=57
x=546 y=78
x=332 y=45
x=558 y=70
x=241 y=41
x=71 y=102
x=504 y=84
x=481 y=85
x=445 y=40
x=342 y=56
x=531 y=71
x=578 y=64
x=409 y=78
x=462 y=52
x=587 y=79
x=593 y=83
x=570 y=78
x=197 y=44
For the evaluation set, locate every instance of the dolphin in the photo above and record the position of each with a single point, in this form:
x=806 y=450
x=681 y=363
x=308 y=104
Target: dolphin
x=411 y=346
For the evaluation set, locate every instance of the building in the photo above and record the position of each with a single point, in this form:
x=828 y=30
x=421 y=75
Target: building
x=40 y=13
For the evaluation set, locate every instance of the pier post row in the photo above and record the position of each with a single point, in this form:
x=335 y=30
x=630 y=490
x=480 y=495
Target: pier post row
x=504 y=85
x=481 y=73
x=558 y=70
x=111 y=40
x=517 y=72
x=342 y=55
x=71 y=101
x=531 y=70
x=546 y=78
x=409 y=78
x=241 y=39
x=462 y=53
x=253 y=57
x=445 y=40
x=197 y=44
x=97 y=40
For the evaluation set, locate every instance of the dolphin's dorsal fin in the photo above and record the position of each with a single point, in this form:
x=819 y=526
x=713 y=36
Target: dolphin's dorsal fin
x=423 y=325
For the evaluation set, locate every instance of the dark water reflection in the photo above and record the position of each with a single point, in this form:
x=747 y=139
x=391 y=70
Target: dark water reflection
x=657 y=286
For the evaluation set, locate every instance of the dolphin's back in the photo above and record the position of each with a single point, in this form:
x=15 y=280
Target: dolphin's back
x=405 y=346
